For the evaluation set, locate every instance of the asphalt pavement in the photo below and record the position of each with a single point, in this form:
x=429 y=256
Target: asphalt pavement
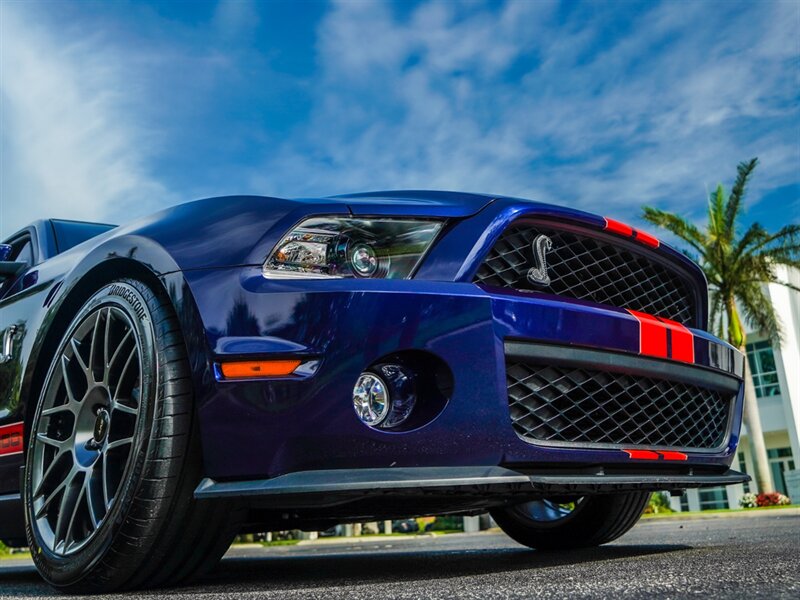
x=733 y=557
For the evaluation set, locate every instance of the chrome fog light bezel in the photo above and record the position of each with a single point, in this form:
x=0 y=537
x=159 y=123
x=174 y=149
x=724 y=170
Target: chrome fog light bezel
x=371 y=393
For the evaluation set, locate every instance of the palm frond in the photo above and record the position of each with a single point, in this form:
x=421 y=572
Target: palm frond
x=754 y=236
x=783 y=245
x=716 y=214
x=758 y=310
x=679 y=226
x=743 y=172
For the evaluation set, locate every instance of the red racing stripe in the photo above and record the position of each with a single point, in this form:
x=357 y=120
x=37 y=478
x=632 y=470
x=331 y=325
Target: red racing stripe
x=642 y=454
x=647 y=239
x=670 y=455
x=618 y=227
x=682 y=341
x=11 y=439
x=652 y=335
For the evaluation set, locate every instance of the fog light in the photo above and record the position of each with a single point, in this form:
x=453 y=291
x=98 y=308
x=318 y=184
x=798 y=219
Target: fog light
x=385 y=397
x=371 y=399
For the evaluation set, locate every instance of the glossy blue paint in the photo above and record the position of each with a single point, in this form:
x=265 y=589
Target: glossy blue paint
x=286 y=425
x=207 y=256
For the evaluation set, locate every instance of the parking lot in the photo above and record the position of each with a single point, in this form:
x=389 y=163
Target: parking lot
x=720 y=557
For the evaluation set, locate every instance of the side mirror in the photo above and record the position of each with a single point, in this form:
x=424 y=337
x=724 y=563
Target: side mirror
x=9 y=269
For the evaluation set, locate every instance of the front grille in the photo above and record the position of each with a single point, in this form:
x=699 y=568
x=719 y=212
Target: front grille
x=589 y=268
x=553 y=404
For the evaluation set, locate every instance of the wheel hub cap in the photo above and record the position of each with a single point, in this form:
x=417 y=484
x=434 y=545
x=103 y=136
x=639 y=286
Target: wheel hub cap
x=101 y=425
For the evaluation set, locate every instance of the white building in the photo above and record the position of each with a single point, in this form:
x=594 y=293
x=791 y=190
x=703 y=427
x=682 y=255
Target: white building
x=776 y=375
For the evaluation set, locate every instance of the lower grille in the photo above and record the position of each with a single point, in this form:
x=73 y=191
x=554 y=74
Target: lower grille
x=575 y=405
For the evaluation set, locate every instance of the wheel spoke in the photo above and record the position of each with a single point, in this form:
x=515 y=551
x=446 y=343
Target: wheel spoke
x=66 y=508
x=65 y=376
x=120 y=346
x=75 y=350
x=119 y=443
x=104 y=482
x=60 y=487
x=81 y=493
x=124 y=372
x=50 y=441
x=54 y=410
x=49 y=471
x=90 y=503
x=94 y=343
x=125 y=409
x=106 y=344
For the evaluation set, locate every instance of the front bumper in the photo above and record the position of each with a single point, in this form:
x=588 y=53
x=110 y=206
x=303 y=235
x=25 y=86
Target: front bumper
x=340 y=486
x=258 y=430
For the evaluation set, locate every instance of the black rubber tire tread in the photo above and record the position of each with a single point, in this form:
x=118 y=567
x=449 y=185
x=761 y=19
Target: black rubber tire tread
x=600 y=520
x=164 y=526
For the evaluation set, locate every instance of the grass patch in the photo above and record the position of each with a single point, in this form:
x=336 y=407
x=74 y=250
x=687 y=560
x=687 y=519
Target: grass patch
x=6 y=552
x=280 y=543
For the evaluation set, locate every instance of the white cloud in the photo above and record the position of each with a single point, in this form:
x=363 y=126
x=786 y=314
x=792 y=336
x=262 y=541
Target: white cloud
x=71 y=146
x=112 y=116
x=604 y=121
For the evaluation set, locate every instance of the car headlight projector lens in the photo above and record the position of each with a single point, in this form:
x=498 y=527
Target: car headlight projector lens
x=364 y=261
x=386 y=397
x=336 y=247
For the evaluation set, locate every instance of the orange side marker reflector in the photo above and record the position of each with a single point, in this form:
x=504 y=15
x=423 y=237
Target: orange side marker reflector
x=258 y=368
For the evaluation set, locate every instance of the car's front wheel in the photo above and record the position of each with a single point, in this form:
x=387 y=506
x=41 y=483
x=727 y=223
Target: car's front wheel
x=113 y=457
x=567 y=523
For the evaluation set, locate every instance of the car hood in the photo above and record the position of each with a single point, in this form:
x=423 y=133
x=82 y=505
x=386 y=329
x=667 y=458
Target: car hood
x=416 y=203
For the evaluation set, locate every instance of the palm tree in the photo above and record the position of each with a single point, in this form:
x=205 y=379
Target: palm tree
x=737 y=266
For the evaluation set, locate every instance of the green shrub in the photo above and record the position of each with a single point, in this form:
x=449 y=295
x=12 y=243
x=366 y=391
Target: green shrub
x=447 y=523
x=659 y=504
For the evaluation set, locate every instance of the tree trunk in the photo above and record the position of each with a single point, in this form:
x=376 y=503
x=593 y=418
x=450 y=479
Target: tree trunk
x=752 y=419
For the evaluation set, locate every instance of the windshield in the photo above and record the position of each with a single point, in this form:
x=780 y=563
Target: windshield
x=72 y=233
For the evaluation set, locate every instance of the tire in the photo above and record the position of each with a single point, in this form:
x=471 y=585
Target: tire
x=586 y=522
x=117 y=448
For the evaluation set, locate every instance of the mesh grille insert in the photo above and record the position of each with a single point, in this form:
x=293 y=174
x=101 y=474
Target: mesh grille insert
x=590 y=269
x=586 y=406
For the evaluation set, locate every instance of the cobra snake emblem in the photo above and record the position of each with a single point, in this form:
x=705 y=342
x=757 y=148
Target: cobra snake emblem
x=537 y=275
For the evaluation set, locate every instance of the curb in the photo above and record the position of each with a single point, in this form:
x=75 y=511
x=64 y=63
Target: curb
x=365 y=539
x=699 y=516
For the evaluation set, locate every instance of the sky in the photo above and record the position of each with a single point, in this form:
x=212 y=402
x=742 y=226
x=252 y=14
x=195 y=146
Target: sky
x=112 y=110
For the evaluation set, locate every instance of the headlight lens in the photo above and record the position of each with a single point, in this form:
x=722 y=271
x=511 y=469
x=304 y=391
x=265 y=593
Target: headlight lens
x=331 y=247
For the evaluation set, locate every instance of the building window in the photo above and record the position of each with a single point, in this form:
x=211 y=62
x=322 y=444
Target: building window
x=713 y=498
x=762 y=365
x=780 y=461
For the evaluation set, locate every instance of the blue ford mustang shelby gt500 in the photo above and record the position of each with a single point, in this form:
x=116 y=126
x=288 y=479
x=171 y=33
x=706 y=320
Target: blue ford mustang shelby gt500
x=247 y=363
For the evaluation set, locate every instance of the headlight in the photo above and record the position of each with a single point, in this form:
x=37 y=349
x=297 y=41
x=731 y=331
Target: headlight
x=325 y=247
